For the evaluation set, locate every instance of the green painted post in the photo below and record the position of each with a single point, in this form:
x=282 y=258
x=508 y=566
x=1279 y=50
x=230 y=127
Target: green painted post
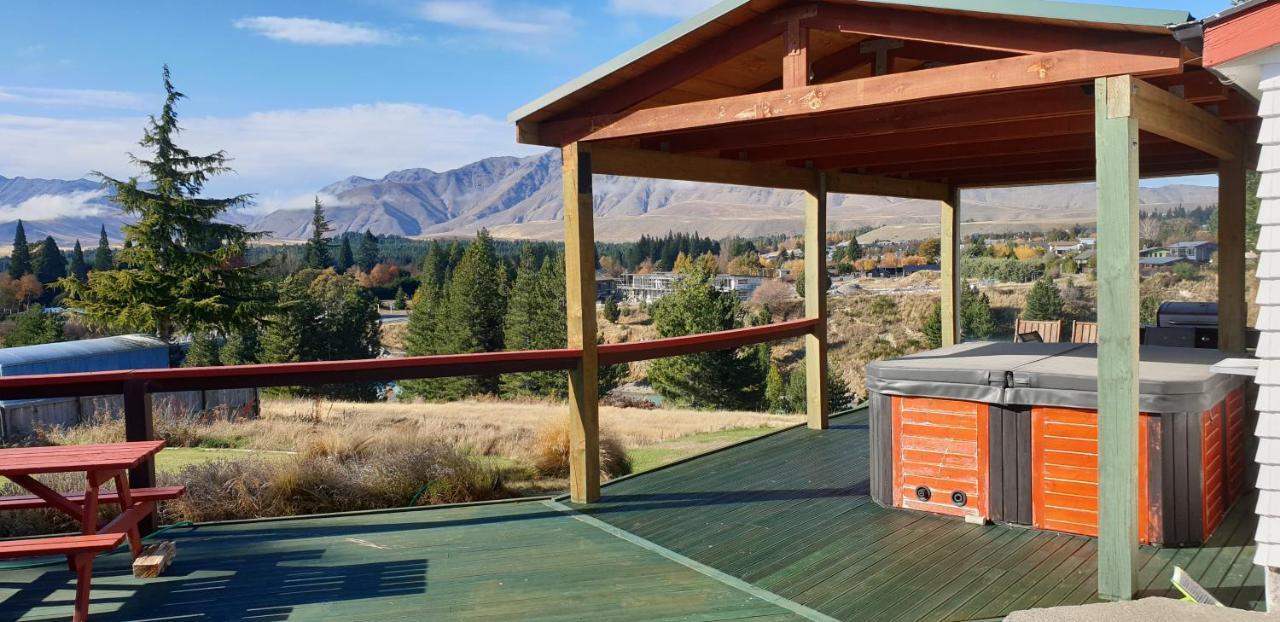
x=1117 y=156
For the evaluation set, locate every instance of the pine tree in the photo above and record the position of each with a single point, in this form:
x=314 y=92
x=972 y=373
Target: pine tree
x=78 y=268
x=345 y=258
x=183 y=269
x=433 y=262
x=242 y=347
x=797 y=399
x=775 y=391
x=102 y=256
x=723 y=379
x=977 y=321
x=20 y=258
x=34 y=327
x=531 y=307
x=317 y=254
x=49 y=263
x=1043 y=302
x=204 y=351
x=611 y=311
x=854 y=250
x=368 y=254
x=401 y=300
x=932 y=328
x=839 y=396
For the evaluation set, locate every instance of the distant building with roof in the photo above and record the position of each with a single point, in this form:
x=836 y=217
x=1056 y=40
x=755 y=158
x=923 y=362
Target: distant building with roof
x=1199 y=252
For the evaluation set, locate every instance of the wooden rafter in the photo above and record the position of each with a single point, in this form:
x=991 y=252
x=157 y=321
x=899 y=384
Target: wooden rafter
x=984 y=33
x=1029 y=71
x=1162 y=113
x=608 y=160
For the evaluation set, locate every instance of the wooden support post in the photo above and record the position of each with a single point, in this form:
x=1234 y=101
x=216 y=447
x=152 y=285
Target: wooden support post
x=815 y=300
x=1117 y=161
x=949 y=285
x=1232 y=307
x=580 y=299
x=139 y=426
x=795 y=65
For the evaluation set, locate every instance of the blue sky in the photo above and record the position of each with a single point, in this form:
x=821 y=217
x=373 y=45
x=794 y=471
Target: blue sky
x=304 y=93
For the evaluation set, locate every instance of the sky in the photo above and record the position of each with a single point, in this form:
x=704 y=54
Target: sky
x=302 y=94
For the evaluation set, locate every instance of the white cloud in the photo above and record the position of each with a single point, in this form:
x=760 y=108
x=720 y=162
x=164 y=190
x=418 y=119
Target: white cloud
x=662 y=8
x=309 y=31
x=86 y=98
x=279 y=155
x=53 y=207
x=511 y=19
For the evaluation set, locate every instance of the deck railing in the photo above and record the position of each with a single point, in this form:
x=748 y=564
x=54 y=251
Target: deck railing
x=137 y=386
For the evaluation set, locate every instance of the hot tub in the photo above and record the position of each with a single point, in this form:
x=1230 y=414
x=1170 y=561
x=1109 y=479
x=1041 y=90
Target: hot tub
x=1008 y=432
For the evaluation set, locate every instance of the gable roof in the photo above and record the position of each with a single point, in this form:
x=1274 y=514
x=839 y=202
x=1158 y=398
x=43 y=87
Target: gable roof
x=730 y=12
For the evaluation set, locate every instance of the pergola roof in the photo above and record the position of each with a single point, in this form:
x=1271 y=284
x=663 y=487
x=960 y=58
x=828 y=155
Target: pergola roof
x=959 y=92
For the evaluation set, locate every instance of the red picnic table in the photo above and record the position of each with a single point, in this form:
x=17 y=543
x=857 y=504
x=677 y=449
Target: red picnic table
x=100 y=463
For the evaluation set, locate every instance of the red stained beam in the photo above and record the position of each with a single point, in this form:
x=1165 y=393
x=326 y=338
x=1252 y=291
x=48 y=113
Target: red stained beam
x=614 y=354
x=990 y=34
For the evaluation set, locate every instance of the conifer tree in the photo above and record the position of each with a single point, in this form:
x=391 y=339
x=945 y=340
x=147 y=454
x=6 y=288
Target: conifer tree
x=1043 y=302
x=182 y=270
x=797 y=399
x=775 y=391
x=932 y=328
x=401 y=300
x=204 y=351
x=49 y=263
x=976 y=318
x=367 y=256
x=433 y=262
x=20 y=258
x=724 y=379
x=242 y=347
x=345 y=258
x=78 y=268
x=102 y=256
x=529 y=311
x=611 y=311
x=317 y=255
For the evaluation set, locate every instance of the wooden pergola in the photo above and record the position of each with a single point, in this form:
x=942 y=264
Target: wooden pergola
x=915 y=100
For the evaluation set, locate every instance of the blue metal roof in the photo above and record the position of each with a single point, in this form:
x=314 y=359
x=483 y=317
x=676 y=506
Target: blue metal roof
x=85 y=355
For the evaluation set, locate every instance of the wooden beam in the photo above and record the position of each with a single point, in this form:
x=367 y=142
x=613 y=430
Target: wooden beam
x=795 y=64
x=616 y=353
x=951 y=282
x=626 y=162
x=988 y=34
x=1160 y=112
x=1232 y=305
x=1117 y=166
x=139 y=425
x=1034 y=70
x=580 y=300
x=815 y=301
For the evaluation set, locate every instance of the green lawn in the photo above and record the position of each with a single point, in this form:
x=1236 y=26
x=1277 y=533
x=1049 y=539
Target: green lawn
x=654 y=456
x=174 y=459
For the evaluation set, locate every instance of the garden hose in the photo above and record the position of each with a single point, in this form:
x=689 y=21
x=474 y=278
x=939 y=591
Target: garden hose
x=61 y=559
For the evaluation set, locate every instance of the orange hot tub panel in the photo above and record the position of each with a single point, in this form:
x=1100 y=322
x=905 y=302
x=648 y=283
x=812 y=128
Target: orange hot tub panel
x=940 y=456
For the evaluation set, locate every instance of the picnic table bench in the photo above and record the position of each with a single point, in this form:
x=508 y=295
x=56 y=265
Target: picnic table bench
x=101 y=463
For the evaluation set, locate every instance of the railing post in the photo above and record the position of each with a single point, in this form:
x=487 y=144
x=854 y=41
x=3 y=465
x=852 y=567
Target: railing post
x=580 y=302
x=139 y=426
x=815 y=301
x=950 y=283
x=1117 y=161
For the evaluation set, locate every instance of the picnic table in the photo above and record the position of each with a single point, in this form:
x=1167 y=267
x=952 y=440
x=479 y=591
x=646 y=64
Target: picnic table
x=101 y=463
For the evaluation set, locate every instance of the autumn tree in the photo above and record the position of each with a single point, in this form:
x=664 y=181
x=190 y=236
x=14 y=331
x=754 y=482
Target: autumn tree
x=182 y=268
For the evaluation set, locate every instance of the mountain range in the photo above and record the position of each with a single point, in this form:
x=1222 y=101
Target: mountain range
x=520 y=198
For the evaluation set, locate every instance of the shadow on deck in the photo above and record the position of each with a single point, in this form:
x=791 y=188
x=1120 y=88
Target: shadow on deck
x=788 y=513
x=791 y=514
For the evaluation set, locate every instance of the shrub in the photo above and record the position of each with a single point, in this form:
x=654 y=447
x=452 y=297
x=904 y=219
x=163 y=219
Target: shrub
x=1004 y=270
x=550 y=453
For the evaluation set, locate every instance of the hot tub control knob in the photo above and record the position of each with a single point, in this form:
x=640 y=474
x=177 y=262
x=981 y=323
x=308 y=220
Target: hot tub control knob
x=923 y=493
x=959 y=498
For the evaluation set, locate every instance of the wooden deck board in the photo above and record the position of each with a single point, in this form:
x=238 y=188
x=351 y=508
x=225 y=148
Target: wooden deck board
x=511 y=561
x=791 y=514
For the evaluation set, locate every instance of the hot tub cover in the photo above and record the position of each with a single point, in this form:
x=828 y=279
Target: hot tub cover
x=1051 y=374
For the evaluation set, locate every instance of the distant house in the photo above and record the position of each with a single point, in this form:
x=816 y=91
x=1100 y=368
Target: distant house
x=1198 y=252
x=882 y=273
x=1151 y=264
x=647 y=288
x=1154 y=251
x=1066 y=248
x=606 y=288
x=1084 y=257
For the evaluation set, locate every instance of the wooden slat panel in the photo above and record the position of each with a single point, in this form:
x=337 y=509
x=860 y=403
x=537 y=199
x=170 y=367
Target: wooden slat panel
x=929 y=432
x=1213 y=468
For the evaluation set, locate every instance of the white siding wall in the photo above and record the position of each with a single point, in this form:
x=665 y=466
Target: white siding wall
x=1268 y=429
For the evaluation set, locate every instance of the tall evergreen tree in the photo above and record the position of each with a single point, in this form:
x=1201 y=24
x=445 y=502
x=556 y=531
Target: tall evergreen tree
x=534 y=320
x=204 y=351
x=724 y=379
x=932 y=328
x=79 y=269
x=469 y=319
x=433 y=262
x=345 y=258
x=20 y=258
x=242 y=347
x=317 y=254
x=976 y=318
x=775 y=391
x=367 y=256
x=102 y=256
x=49 y=263
x=184 y=270
x=1044 y=302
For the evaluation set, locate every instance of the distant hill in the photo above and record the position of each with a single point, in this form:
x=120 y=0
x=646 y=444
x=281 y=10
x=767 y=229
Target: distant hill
x=520 y=198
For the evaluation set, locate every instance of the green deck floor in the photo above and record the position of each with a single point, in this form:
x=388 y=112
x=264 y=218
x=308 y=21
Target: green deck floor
x=790 y=513
x=520 y=561
x=787 y=514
